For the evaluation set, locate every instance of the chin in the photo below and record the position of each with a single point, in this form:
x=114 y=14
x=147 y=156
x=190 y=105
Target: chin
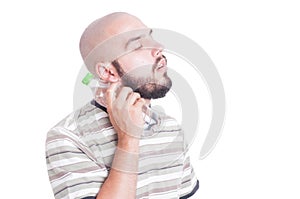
x=154 y=91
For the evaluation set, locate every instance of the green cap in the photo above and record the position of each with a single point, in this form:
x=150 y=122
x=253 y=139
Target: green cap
x=87 y=79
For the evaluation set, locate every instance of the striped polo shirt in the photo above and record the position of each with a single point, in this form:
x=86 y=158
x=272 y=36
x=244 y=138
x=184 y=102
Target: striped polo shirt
x=80 y=151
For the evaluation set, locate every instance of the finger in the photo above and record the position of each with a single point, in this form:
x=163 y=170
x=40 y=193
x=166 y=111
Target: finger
x=139 y=103
x=111 y=93
x=123 y=94
x=133 y=97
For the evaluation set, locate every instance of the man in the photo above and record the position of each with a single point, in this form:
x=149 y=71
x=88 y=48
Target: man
x=115 y=147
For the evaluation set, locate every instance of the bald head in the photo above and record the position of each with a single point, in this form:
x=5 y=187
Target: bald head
x=119 y=47
x=105 y=28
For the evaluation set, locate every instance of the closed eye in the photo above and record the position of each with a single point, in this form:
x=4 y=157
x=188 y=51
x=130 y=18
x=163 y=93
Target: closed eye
x=135 y=45
x=136 y=41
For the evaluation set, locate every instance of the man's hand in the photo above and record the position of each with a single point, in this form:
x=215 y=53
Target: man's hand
x=125 y=113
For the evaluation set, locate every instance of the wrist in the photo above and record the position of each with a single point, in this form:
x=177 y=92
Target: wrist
x=125 y=161
x=128 y=143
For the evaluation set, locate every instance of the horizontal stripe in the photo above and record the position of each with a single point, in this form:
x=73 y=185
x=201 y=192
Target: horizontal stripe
x=171 y=194
x=64 y=153
x=80 y=150
x=78 y=175
x=157 y=141
x=158 y=178
x=196 y=187
x=64 y=162
x=78 y=184
x=58 y=143
x=82 y=193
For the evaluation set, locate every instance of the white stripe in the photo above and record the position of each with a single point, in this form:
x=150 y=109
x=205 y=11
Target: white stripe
x=162 y=140
x=159 y=178
x=66 y=132
x=101 y=115
x=168 y=194
x=186 y=172
x=81 y=193
x=109 y=131
x=64 y=162
x=105 y=132
x=69 y=124
x=72 y=126
x=188 y=189
x=161 y=161
x=73 y=176
x=109 y=151
x=170 y=122
x=93 y=118
x=59 y=143
x=88 y=120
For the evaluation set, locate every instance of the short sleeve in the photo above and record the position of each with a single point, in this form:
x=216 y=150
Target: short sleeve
x=189 y=183
x=72 y=170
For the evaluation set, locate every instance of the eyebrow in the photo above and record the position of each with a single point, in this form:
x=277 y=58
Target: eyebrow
x=136 y=38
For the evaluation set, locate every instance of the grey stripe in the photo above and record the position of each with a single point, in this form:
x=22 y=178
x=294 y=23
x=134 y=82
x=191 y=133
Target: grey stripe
x=90 y=140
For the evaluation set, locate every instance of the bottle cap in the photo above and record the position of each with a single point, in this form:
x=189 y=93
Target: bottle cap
x=87 y=79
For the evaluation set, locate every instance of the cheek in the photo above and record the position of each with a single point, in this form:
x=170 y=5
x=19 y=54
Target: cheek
x=136 y=60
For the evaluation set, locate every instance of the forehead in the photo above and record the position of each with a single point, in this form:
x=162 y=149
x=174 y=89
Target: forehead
x=129 y=35
x=115 y=46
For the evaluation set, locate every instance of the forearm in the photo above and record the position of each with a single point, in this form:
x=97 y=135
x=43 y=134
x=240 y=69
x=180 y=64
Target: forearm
x=122 y=179
x=126 y=115
x=118 y=185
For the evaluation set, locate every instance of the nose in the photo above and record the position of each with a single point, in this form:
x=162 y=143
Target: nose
x=157 y=51
x=156 y=48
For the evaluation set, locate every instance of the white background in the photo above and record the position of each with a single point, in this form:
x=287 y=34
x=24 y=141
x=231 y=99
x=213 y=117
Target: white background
x=254 y=44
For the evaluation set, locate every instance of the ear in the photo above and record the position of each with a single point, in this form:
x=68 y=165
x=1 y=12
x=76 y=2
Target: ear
x=106 y=72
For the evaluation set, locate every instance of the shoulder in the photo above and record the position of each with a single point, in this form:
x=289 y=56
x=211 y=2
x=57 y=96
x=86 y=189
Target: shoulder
x=169 y=123
x=80 y=122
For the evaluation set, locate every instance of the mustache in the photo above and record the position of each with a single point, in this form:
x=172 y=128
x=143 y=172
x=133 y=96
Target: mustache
x=155 y=65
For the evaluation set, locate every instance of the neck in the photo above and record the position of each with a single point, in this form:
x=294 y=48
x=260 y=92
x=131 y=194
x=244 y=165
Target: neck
x=148 y=102
x=100 y=98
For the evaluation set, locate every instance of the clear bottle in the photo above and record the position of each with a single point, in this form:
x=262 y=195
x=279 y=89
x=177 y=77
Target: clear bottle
x=152 y=117
x=97 y=86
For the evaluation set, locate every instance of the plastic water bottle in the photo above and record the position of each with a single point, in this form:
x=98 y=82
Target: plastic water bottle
x=99 y=87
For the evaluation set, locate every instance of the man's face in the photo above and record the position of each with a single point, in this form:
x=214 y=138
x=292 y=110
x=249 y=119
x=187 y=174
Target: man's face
x=144 y=67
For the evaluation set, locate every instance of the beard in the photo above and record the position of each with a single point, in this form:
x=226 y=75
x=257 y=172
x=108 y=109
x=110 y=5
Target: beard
x=147 y=87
